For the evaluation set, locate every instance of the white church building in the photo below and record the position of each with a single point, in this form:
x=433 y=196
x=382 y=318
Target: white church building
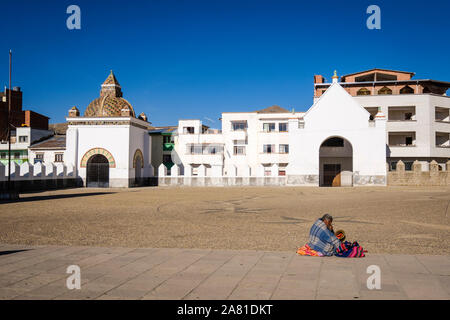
x=109 y=146
x=353 y=134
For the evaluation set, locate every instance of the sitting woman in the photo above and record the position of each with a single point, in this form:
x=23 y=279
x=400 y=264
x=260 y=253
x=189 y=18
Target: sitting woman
x=322 y=241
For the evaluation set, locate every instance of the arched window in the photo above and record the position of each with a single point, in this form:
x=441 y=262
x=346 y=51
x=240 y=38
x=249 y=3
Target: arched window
x=426 y=90
x=363 y=92
x=385 y=90
x=406 y=90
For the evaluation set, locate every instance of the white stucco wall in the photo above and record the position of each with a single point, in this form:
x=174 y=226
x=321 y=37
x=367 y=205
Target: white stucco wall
x=337 y=114
x=121 y=140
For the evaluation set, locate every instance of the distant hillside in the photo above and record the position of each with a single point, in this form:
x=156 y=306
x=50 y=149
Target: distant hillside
x=58 y=128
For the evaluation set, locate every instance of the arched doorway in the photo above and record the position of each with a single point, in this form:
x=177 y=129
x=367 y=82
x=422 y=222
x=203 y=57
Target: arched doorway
x=335 y=163
x=138 y=171
x=138 y=165
x=97 y=172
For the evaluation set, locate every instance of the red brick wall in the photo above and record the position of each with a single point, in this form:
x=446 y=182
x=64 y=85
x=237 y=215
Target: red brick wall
x=35 y=120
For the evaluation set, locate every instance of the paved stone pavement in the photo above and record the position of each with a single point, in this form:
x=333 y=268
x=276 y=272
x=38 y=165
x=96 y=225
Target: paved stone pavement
x=39 y=272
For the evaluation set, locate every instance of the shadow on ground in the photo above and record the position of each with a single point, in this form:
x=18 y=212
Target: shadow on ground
x=4 y=253
x=57 y=196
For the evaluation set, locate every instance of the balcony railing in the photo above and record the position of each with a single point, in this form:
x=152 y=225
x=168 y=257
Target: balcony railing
x=403 y=145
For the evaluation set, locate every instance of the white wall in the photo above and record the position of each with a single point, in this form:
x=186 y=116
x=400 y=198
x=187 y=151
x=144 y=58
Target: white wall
x=337 y=114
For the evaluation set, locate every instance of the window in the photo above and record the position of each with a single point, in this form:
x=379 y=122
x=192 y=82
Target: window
x=239 y=125
x=408 y=141
x=385 y=90
x=16 y=155
x=268 y=127
x=442 y=139
x=59 y=157
x=167 y=139
x=408 y=116
x=406 y=90
x=194 y=149
x=442 y=114
x=268 y=148
x=238 y=150
x=282 y=169
x=23 y=138
x=39 y=158
x=2 y=155
x=363 y=92
x=212 y=149
x=284 y=148
x=188 y=130
x=333 y=142
x=283 y=127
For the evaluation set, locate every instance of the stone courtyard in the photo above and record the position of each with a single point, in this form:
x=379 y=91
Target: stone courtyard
x=385 y=220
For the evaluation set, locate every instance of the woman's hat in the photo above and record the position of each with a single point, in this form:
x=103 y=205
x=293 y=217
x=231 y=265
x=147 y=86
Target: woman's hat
x=340 y=234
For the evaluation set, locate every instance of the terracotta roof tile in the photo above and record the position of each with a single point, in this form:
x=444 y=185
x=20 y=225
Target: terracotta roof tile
x=273 y=109
x=55 y=142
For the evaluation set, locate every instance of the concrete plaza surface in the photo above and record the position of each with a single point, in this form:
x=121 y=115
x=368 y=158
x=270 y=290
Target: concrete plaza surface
x=39 y=272
x=384 y=220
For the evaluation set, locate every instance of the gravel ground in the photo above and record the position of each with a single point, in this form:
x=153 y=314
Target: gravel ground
x=410 y=220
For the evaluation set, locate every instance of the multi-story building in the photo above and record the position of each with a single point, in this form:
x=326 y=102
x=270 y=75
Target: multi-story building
x=278 y=142
x=246 y=140
x=417 y=111
x=162 y=146
x=27 y=127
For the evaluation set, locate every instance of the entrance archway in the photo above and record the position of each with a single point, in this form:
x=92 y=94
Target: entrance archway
x=138 y=171
x=97 y=172
x=335 y=163
x=138 y=165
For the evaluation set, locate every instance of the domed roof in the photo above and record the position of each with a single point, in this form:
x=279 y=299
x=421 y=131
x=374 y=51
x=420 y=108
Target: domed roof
x=108 y=106
x=110 y=103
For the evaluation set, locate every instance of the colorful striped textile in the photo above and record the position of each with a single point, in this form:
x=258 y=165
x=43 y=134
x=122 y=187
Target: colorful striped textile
x=350 y=250
x=307 y=251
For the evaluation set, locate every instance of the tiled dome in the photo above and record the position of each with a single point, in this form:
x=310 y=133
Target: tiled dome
x=110 y=103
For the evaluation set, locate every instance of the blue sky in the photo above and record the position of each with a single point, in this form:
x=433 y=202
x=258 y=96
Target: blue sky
x=194 y=59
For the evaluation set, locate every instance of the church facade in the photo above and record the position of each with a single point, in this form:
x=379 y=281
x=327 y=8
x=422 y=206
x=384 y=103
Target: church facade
x=109 y=146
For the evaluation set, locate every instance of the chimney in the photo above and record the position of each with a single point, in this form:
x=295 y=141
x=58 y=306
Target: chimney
x=319 y=79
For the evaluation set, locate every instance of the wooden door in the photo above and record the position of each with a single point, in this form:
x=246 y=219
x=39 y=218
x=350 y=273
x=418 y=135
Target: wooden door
x=332 y=175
